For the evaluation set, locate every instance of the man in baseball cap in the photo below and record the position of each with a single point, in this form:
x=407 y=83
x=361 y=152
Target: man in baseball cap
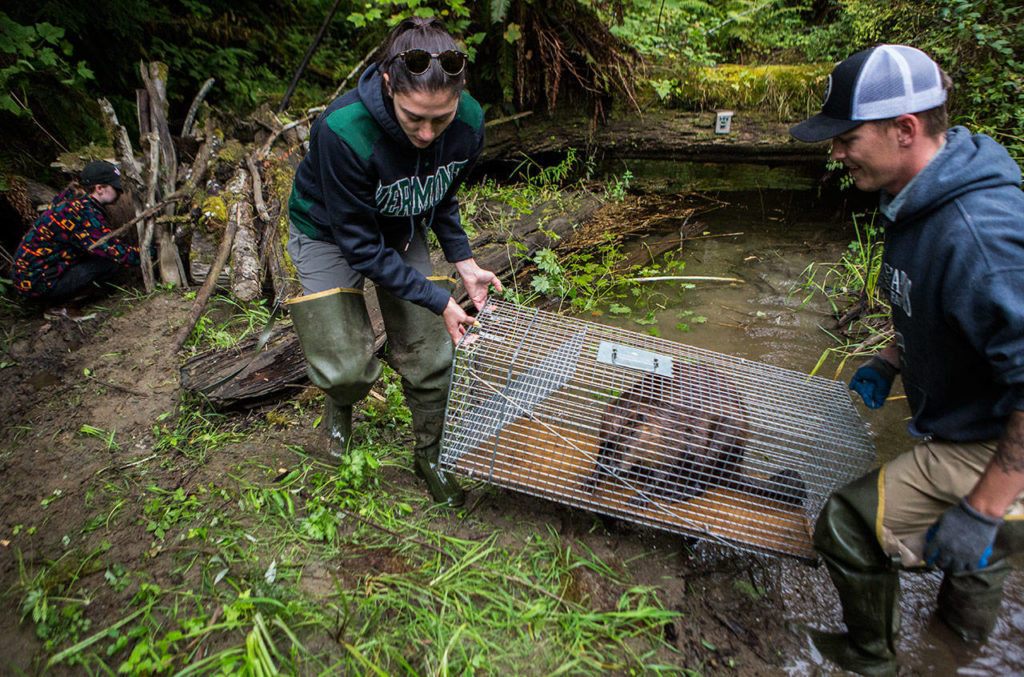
x=953 y=272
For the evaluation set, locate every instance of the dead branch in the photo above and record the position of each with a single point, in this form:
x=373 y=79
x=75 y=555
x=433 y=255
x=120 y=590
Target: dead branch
x=509 y=118
x=309 y=54
x=156 y=87
x=265 y=148
x=139 y=217
x=257 y=190
x=211 y=281
x=146 y=227
x=186 y=128
x=358 y=67
x=202 y=161
x=130 y=168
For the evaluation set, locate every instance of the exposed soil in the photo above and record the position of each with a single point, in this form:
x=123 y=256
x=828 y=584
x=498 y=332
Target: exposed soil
x=114 y=372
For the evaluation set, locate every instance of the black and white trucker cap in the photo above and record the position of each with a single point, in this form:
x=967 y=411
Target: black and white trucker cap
x=882 y=82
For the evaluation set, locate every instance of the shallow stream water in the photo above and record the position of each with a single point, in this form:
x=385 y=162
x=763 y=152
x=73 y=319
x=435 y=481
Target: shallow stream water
x=764 y=318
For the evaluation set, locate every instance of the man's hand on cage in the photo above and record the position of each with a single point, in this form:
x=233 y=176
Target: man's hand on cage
x=873 y=381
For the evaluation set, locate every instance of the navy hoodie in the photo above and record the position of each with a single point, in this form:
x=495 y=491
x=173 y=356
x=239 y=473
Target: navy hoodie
x=365 y=186
x=953 y=269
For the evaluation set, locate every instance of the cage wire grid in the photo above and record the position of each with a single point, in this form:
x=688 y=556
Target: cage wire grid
x=651 y=431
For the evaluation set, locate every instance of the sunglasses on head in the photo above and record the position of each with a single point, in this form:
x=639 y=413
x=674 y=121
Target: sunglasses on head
x=452 y=61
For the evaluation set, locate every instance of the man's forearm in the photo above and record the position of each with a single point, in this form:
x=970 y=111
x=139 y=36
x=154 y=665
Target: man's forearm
x=1003 y=479
x=891 y=354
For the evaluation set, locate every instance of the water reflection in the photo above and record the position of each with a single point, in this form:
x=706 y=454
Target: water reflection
x=766 y=319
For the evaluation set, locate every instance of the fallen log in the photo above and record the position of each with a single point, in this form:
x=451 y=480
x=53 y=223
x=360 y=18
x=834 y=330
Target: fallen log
x=278 y=368
x=246 y=271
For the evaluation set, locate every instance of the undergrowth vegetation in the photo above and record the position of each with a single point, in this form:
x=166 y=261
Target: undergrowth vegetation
x=302 y=567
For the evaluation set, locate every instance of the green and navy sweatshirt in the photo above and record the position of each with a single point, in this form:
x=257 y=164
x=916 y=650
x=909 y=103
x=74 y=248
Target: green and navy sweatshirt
x=366 y=187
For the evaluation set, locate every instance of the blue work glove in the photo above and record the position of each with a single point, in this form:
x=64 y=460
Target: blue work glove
x=873 y=381
x=961 y=539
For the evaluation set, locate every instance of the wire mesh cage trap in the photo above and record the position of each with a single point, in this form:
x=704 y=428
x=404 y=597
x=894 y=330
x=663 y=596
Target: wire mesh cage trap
x=651 y=431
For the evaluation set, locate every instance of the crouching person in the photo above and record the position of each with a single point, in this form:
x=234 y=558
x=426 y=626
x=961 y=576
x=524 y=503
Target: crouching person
x=56 y=259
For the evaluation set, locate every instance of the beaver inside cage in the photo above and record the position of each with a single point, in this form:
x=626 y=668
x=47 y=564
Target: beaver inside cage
x=675 y=437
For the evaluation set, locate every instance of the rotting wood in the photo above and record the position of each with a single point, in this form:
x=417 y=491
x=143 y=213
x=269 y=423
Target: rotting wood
x=280 y=366
x=246 y=272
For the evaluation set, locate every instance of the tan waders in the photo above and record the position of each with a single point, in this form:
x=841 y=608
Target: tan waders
x=337 y=340
x=420 y=349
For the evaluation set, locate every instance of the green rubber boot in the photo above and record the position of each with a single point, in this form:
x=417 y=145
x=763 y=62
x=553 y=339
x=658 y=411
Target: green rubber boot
x=865 y=577
x=426 y=428
x=337 y=422
x=421 y=351
x=969 y=601
x=337 y=339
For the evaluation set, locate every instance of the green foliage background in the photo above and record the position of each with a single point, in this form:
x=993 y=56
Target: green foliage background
x=58 y=56
x=980 y=43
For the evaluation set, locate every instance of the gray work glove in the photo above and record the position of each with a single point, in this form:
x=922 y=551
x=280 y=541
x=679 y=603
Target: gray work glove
x=961 y=539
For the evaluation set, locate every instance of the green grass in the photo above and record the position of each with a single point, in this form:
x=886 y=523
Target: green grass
x=227 y=322
x=307 y=568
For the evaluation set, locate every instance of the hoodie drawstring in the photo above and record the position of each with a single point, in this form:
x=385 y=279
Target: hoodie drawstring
x=415 y=181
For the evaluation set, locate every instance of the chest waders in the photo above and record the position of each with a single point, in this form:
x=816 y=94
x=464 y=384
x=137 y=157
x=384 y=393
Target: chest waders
x=867 y=580
x=337 y=340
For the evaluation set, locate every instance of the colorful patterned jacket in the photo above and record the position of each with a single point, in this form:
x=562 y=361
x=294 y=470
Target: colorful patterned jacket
x=60 y=238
